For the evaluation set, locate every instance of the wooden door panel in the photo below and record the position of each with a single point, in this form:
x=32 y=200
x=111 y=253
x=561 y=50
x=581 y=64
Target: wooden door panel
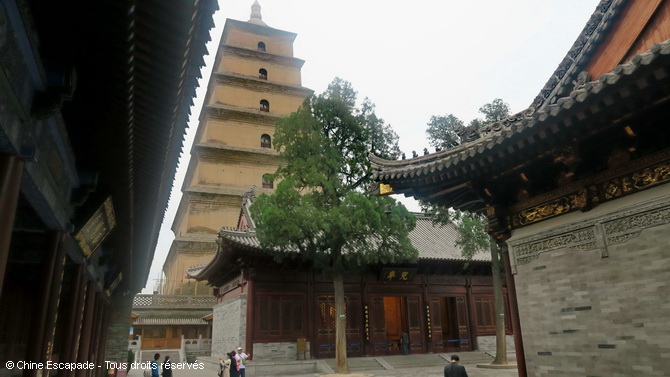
x=414 y=322
x=436 y=325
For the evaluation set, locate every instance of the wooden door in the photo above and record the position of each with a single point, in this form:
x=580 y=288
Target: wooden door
x=378 y=338
x=414 y=314
x=325 y=330
x=463 y=329
x=436 y=333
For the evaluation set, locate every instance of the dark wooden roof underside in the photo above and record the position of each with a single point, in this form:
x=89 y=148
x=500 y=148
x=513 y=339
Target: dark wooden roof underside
x=137 y=65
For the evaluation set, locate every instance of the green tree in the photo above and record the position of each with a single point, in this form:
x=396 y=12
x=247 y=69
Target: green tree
x=442 y=131
x=320 y=211
x=471 y=227
x=495 y=111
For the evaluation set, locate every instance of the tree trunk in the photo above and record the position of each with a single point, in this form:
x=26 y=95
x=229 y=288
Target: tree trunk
x=340 y=325
x=499 y=306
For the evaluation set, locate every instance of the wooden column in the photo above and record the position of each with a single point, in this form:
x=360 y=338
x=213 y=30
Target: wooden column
x=249 y=347
x=514 y=314
x=74 y=311
x=471 y=314
x=86 y=328
x=310 y=320
x=53 y=298
x=425 y=308
x=104 y=326
x=365 y=298
x=95 y=332
x=36 y=349
x=11 y=170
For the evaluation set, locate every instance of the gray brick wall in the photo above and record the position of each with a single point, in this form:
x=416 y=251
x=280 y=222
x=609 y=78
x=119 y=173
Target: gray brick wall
x=229 y=327
x=585 y=315
x=488 y=343
x=278 y=351
x=119 y=327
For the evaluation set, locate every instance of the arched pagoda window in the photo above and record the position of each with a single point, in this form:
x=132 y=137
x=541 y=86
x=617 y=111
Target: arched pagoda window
x=261 y=46
x=263 y=74
x=267 y=181
x=266 y=141
x=265 y=105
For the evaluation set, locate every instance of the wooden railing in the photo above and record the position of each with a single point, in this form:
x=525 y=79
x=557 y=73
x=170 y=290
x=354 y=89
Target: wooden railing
x=180 y=301
x=198 y=344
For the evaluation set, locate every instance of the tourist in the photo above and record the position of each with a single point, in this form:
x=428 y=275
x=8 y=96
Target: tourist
x=224 y=366
x=241 y=358
x=233 y=364
x=154 y=365
x=167 y=369
x=404 y=342
x=454 y=369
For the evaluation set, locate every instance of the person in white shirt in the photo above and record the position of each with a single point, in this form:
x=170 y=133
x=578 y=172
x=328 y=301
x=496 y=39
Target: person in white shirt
x=241 y=359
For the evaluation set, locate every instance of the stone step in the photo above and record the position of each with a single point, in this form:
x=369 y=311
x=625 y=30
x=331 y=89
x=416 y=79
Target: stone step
x=148 y=355
x=357 y=364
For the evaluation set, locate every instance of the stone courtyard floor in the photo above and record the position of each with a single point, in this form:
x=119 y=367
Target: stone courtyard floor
x=430 y=365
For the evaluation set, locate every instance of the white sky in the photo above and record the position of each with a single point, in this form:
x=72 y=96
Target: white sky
x=413 y=59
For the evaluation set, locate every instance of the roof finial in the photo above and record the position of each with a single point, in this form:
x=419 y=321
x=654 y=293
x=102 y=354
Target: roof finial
x=256 y=16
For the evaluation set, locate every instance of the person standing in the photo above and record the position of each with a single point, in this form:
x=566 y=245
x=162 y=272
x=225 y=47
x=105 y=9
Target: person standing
x=167 y=368
x=154 y=365
x=454 y=369
x=404 y=342
x=241 y=359
x=233 y=364
x=224 y=366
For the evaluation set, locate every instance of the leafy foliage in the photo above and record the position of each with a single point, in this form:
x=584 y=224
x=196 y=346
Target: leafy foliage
x=443 y=130
x=495 y=111
x=471 y=227
x=320 y=209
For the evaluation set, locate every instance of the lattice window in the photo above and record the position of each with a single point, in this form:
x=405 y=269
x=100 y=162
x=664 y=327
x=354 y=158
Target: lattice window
x=142 y=300
x=485 y=315
x=280 y=316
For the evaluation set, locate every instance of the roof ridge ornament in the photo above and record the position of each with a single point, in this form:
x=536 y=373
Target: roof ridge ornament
x=256 y=17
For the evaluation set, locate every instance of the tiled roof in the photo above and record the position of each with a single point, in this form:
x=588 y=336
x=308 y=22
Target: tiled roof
x=168 y=321
x=578 y=55
x=438 y=242
x=390 y=171
x=432 y=241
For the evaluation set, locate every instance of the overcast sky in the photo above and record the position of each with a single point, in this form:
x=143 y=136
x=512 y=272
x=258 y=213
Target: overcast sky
x=413 y=59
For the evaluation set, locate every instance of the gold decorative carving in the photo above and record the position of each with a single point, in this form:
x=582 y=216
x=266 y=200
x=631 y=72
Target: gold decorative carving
x=385 y=189
x=577 y=200
x=612 y=230
x=592 y=194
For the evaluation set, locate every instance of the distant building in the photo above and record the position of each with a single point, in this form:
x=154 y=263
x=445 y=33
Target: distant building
x=576 y=188
x=443 y=302
x=255 y=81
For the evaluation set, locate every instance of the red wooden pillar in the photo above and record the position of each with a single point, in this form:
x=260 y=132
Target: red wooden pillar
x=74 y=311
x=311 y=320
x=86 y=328
x=104 y=327
x=250 y=285
x=53 y=298
x=36 y=349
x=514 y=315
x=11 y=170
x=471 y=314
x=95 y=327
x=365 y=297
x=429 y=319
